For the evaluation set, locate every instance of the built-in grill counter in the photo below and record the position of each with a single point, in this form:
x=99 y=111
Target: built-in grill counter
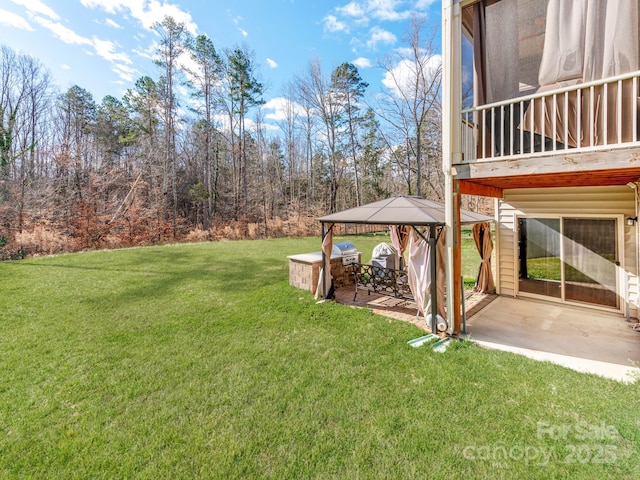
x=347 y=251
x=304 y=268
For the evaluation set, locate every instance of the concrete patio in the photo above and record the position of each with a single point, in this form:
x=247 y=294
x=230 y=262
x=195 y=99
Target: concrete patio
x=583 y=339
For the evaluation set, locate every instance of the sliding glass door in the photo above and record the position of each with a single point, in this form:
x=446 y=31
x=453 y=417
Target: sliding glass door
x=590 y=257
x=572 y=259
x=540 y=264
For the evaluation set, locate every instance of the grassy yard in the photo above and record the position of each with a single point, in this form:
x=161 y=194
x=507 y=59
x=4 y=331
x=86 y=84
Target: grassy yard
x=549 y=268
x=200 y=361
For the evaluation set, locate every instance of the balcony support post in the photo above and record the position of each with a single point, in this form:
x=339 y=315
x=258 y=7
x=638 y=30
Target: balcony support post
x=452 y=153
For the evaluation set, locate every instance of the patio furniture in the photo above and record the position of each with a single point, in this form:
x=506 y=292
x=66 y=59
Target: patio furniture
x=381 y=280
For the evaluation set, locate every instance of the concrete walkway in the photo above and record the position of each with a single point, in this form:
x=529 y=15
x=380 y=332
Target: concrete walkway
x=583 y=339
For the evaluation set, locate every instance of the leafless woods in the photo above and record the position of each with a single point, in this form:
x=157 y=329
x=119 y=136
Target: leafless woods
x=158 y=165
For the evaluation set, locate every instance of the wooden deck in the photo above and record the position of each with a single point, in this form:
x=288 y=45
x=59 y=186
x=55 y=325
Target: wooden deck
x=404 y=310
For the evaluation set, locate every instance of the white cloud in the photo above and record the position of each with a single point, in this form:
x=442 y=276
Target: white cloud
x=402 y=78
x=106 y=49
x=65 y=66
x=379 y=35
x=387 y=10
x=13 y=20
x=183 y=91
x=244 y=33
x=63 y=33
x=113 y=24
x=125 y=72
x=37 y=7
x=189 y=66
x=272 y=63
x=156 y=12
x=362 y=62
x=282 y=108
x=352 y=9
x=424 y=4
x=114 y=6
x=148 y=52
x=148 y=13
x=332 y=24
x=362 y=12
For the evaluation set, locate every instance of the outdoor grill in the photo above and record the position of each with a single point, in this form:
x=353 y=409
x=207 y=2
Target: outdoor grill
x=384 y=255
x=347 y=251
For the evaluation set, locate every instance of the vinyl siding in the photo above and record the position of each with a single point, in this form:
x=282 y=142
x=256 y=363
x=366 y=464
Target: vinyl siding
x=578 y=201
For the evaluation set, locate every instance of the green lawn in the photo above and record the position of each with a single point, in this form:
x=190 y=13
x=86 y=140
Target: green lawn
x=549 y=268
x=200 y=361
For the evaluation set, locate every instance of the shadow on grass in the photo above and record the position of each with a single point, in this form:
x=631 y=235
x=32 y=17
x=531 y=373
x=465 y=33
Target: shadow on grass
x=165 y=276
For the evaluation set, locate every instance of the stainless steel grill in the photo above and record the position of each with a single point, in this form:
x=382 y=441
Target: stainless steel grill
x=384 y=255
x=347 y=251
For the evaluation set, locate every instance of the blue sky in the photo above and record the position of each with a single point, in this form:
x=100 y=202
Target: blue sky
x=104 y=46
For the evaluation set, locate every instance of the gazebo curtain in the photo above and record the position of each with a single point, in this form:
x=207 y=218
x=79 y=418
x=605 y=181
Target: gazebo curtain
x=419 y=271
x=484 y=243
x=325 y=280
x=400 y=239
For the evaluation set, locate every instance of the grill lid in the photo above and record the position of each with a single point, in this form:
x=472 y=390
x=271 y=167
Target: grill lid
x=343 y=248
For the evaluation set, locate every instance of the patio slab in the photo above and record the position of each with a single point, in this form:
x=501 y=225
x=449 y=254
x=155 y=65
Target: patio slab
x=584 y=339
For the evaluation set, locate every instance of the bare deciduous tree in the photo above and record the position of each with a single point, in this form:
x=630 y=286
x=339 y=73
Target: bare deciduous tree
x=413 y=76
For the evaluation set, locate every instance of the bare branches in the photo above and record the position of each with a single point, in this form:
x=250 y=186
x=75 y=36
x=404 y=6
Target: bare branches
x=412 y=77
x=145 y=168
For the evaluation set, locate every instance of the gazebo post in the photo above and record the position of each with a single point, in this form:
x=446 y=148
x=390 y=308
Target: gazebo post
x=458 y=290
x=452 y=150
x=434 y=285
x=324 y=265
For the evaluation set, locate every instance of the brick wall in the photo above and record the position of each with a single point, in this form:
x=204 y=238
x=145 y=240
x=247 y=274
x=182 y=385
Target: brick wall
x=305 y=275
x=342 y=275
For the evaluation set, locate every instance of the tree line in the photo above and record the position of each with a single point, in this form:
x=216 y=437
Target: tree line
x=156 y=165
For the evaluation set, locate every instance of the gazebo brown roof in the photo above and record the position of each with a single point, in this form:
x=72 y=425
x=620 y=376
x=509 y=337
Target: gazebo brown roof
x=402 y=210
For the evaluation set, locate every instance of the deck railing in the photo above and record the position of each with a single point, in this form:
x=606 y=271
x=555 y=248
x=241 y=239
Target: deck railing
x=593 y=116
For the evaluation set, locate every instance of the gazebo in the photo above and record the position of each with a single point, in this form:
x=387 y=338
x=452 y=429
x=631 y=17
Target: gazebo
x=413 y=213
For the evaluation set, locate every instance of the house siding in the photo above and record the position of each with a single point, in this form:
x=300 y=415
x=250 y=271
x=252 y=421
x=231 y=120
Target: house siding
x=578 y=201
